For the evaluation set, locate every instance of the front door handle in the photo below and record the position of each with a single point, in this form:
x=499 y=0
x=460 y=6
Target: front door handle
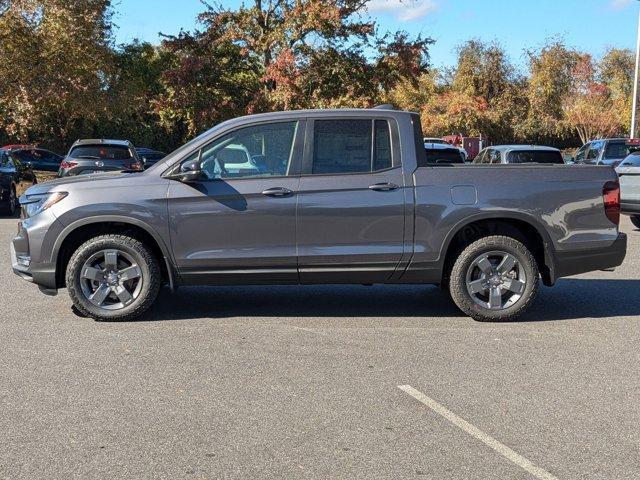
x=384 y=187
x=277 y=192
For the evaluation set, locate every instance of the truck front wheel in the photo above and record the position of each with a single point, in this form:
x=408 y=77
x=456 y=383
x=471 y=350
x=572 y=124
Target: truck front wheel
x=494 y=279
x=113 y=277
x=635 y=219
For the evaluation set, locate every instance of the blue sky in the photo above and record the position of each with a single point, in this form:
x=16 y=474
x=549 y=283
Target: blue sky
x=591 y=25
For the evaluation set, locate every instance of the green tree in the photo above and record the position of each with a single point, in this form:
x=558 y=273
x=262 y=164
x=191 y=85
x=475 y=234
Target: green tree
x=60 y=58
x=482 y=70
x=206 y=80
x=616 y=72
x=551 y=71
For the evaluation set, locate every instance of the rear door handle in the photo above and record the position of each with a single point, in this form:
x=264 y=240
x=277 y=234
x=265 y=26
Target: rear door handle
x=383 y=187
x=277 y=192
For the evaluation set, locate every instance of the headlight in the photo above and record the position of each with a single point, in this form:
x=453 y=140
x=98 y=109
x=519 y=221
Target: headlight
x=38 y=203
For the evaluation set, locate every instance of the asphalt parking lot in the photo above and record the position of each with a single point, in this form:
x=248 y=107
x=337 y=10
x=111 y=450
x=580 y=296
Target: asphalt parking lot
x=303 y=382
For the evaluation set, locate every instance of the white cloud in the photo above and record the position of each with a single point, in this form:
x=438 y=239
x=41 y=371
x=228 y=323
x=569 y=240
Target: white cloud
x=404 y=10
x=620 y=4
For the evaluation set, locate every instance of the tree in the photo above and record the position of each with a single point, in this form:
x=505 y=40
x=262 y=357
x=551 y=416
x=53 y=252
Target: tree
x=454 y=112
x=616 y=72
x=589 y=107
x=135 y=84
x=267 y=30
x=60 y=60
x=593 y=115
x=206 y=80
x=550 y=82
x=482 y=70
x=297 y=46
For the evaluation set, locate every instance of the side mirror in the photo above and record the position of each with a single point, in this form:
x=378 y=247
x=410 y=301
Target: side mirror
x=188 y=172
x=143 y=159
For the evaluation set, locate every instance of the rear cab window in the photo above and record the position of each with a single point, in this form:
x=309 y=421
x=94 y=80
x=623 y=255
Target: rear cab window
x=101 y=152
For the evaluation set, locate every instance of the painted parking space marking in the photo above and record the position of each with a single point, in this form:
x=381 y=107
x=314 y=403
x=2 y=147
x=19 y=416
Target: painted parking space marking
x=475 y=432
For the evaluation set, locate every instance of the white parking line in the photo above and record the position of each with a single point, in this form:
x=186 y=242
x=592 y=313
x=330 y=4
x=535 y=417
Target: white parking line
x=501 y=448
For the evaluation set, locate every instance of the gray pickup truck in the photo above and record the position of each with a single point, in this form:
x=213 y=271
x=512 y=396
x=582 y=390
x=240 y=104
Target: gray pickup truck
x=324 y=196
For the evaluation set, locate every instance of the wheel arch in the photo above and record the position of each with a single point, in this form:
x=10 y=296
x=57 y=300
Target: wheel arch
x=80 y=231
x=523 y=227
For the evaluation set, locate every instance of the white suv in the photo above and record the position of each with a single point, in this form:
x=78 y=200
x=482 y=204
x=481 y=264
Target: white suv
x=629 y=173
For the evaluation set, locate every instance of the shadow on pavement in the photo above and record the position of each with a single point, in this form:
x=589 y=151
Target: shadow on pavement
x=570 y=298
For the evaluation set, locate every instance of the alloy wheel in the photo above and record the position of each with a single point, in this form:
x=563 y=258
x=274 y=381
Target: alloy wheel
x=495 y=280
x=111 y=279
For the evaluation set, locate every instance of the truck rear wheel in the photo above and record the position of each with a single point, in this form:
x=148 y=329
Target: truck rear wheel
x=635 y=219
x=495 y=278
x=113 y=277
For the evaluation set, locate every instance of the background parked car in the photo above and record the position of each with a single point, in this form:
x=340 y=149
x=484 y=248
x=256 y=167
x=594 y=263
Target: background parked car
x=520 y=154
x=94 y=156
x=442 y=141
x=15 y=178
x=606 y=151
x=629 y=173
x=443 y=153
x=38 y=158
x=149 y=156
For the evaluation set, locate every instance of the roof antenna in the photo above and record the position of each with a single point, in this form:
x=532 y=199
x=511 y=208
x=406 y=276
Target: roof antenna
x=385 y=106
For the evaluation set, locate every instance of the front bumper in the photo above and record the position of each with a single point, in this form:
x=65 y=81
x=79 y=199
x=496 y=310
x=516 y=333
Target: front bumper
x=30 y=250
x=575 y=262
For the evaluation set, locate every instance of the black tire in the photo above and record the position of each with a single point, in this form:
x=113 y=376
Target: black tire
x=10 y=206
x=466 y=261
x=150 y=277
x=635 y=219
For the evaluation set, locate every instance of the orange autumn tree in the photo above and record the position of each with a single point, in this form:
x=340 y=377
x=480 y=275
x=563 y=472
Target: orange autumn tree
x=589 y=108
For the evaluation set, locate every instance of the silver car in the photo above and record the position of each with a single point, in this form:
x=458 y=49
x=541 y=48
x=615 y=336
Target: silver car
x=629 y=173
x=506 y=154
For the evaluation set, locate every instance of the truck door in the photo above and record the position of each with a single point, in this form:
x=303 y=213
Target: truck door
x=351 y=201
x=237 y=224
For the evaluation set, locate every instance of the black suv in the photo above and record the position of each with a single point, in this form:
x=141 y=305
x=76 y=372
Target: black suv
x=94 y=156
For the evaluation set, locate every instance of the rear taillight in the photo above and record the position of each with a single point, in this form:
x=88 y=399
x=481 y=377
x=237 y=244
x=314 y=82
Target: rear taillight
x=611 y=197
x=66 y=164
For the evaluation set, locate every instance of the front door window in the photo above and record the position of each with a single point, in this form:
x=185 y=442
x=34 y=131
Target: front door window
x=255 y=151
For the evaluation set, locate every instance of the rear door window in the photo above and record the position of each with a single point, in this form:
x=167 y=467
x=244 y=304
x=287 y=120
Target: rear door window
x=535 y=156
x=351 y=146
x=101 y=152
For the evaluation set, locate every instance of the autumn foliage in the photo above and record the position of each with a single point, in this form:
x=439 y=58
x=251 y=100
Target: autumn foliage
x=62 y=77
